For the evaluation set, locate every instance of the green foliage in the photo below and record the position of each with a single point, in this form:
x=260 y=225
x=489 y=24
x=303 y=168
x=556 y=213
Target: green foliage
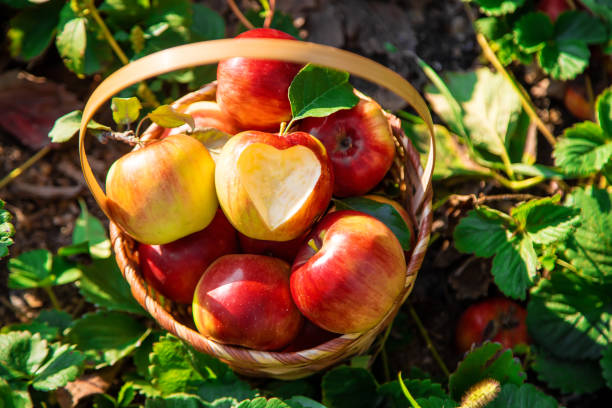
x=49 y=324
x=606 y=365
x=385 y=213
x=586 y=148
x=569 y=376
x=522 y=396
x=125 y=110
x=29 y=34
x=26 y=358
x=39 y=269
x=319 y=91
x=346 y=387
x=486 y=361
x=166 y=116
x=7 y=230
x=107 y=337
x=68 y=125
x=516 y=239
x=499 y=7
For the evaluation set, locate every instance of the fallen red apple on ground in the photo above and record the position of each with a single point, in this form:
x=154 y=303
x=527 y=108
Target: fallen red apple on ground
x=499 y=319
x=174 y=269
x=349 y=274
x=553 y=8
x=254 y=92
x=360 y=144
x=163 y=191
x=273 y=187
x=245 y=300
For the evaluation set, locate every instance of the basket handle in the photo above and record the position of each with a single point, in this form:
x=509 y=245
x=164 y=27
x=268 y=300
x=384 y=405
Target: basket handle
x=209 y=52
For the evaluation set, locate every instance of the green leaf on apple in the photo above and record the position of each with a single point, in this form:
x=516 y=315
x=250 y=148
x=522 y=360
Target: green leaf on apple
x=168 y=117
x=347 y=387
x=383 y=212
x=107 y=336
x=7 y=230
x=102 y=284
x=125 y=110
x=318 y=91
x=39 y=269
x=486 y=361
x=68 y=125
x=522 y=396
x=570 y=376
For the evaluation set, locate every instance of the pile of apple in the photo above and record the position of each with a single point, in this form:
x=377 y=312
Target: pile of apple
x=275 y=268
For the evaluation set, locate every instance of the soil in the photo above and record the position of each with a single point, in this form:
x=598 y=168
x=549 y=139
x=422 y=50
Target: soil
x=44 y=200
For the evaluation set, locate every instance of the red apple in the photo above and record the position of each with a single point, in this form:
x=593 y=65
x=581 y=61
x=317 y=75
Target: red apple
x=273 y=187
x=576 y=102
x=360 y=144
x=206 y=114
x=499 y=319
x=174 y=269
x=309 y=336
x=163 y=191
x=553 y=7
x=255 y=92
x=285 y=250
x=245 y=300
x=349 y=274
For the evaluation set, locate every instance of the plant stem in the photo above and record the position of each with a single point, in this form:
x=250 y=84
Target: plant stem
x=52 y=297
x=523 y=95
x=239 y=14
x=427 y=339
x=516 y=185
x=406 y=392
x=574 y=270
x=27 y=164
x=143 y=90
x=271 y=6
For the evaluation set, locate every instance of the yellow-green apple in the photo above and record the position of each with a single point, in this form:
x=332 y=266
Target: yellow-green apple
x=206 y=114
x=245 y=300
x=163 y=191
x=273 y=187
x=255 y=92
x=360 y=144
x=175 y=268
x=285 y=250
x=349 y=274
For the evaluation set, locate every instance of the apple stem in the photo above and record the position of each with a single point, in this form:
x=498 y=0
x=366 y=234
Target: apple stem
x=427 y=339
x=313 y=245
x=283 y=128
x=127 y=137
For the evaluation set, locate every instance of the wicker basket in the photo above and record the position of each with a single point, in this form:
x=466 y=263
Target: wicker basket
x=414 y=182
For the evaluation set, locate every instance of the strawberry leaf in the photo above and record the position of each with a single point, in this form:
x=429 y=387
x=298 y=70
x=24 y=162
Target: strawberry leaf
x=499 y=7
x=564 y=60
x=71 y=40
x=590 y=247
x=482 y=232
x=6 y=230
x=523 y=396
x=261 y=402
x=88 y=229
x=570 y=315
x=392 y=392
x=575 y=25
x=30 y=270
x=178 y=400
x=532 y=31
x=109 y=336
x=31 y=30
x=569 y=376
x=514 y=267
x=583 y=150
x=318 y=91
x=62 y=365
x=347 y=387
x=545 y=221
x=486 y=361
x=606 y=365
x=436 y=402
x=603 y=107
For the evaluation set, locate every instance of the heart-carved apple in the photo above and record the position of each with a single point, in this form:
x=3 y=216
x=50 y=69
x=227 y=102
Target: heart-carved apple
x=273 y=187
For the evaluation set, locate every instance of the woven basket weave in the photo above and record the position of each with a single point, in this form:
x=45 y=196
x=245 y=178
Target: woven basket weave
x=416 y=195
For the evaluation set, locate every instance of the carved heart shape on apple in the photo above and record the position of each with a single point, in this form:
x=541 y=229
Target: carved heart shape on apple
x=273 y=187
